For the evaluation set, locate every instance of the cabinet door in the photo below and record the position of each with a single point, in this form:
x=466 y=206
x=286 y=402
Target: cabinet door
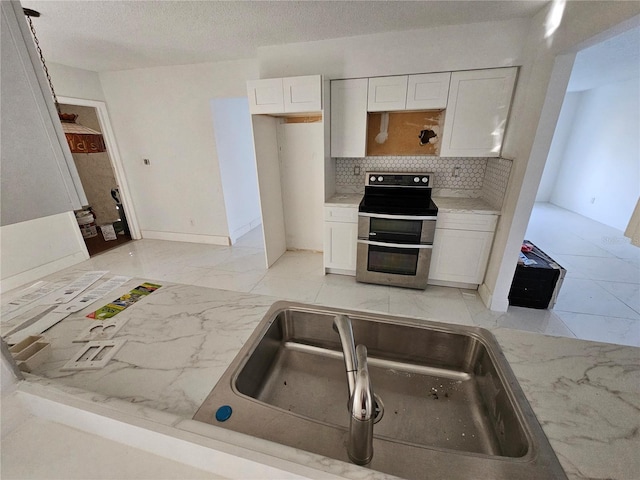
x=265 y=146
x=302 y=94
x=477 y=112
x=460 y=255
x=340 y=242
x=429 y=91
x=387 y=93
x=265 y=96
x=349 y=117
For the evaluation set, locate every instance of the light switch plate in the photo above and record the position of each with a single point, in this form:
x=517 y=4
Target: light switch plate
x=94 y=355
x=104 y=330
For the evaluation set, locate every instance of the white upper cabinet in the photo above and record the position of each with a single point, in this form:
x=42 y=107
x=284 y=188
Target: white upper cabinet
x=302 y=94
x=285 y=95
x=266 y=96
x=428 y=91
x=477 y=112
x=408 y=92
x=387 y=93
x=348 y=117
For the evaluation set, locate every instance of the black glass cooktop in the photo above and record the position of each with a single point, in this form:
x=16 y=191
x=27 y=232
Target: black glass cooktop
x=398 y=201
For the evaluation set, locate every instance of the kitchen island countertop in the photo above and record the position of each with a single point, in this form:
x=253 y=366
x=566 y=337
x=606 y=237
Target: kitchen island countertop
x=180 y=340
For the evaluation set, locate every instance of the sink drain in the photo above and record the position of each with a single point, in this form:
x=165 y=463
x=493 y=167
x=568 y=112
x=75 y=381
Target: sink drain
x=379 y=410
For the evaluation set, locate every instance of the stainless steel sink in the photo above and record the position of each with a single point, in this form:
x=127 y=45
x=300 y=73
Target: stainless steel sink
x=453 y=408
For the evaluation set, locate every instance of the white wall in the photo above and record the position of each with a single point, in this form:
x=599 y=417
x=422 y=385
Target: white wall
x=458 y=47
x=600 y=175
x=232 y=128
x=39 y=246
x=33 y=249
x=558 y=146
x=75 y=82
x=163 y=114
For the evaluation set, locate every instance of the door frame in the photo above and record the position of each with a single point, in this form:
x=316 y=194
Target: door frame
x=114 y=156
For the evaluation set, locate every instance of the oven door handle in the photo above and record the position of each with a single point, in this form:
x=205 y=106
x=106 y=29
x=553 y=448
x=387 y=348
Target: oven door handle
x=397 y=217
x=393 y=245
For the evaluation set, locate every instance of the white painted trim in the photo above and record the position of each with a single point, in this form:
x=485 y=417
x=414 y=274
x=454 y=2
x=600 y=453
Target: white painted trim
x=114 y=155
x=446 y=283
x=187 y=237
x=340 y=271
x=43 y=270
x=256 y=223
x=486 y=295
x=244 y=229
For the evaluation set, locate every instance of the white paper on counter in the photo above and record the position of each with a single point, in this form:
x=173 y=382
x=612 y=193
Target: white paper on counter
x=27 y=296
x=75 y=288
x=46 y=322
x=93 y=295
x=36 y=327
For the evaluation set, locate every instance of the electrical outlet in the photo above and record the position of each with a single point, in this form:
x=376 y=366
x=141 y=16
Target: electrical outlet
x=356 y=169
x=146 y=161
x=456 y=172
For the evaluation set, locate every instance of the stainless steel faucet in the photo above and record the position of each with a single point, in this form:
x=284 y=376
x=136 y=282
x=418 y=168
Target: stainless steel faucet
x=362 y=404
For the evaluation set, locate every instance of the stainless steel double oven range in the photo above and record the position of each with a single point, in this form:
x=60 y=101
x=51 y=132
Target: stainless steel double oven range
x=396 y=227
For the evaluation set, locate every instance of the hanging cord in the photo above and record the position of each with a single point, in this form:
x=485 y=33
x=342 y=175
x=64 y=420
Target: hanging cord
x=44 y=65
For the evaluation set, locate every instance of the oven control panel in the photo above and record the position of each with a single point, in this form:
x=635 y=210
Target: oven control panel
x=399 y=179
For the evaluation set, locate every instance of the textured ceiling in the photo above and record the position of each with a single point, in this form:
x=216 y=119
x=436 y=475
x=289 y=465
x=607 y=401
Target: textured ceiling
x=119 y=35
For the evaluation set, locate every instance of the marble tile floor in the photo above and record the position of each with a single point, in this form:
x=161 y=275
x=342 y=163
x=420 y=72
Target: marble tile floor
x=600 y=296
x=598 y=301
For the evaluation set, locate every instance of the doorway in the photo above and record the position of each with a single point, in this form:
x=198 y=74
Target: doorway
x=106 y=221
x=237 y=161
x=588 y=191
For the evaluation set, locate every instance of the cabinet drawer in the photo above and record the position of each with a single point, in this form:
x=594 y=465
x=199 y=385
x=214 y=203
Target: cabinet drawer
x=467 y=221
x=341 y=214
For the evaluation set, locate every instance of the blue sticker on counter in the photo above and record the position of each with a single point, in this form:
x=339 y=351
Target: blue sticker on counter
x=223 y=413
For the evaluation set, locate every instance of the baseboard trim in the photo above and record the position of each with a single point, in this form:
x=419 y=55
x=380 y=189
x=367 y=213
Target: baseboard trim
x=490 y=301
x=339 y=271
x=42 y=271
x=446 y=283
x=187 y=237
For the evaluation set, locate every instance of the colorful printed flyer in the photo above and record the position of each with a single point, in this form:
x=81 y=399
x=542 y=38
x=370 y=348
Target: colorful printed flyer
x=125 y=301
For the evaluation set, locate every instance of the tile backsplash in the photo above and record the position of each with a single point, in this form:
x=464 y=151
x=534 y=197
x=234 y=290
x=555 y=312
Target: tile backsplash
x=496 y=179
x=470 y=177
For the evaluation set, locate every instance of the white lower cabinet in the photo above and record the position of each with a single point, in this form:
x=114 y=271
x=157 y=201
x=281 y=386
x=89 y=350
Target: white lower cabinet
x=340 y=240
x=461 y=248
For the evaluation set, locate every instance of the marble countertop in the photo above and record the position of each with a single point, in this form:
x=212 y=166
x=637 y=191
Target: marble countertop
x=181 y=338
x=464 y=205
x=344 y=200
x=445 y=203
